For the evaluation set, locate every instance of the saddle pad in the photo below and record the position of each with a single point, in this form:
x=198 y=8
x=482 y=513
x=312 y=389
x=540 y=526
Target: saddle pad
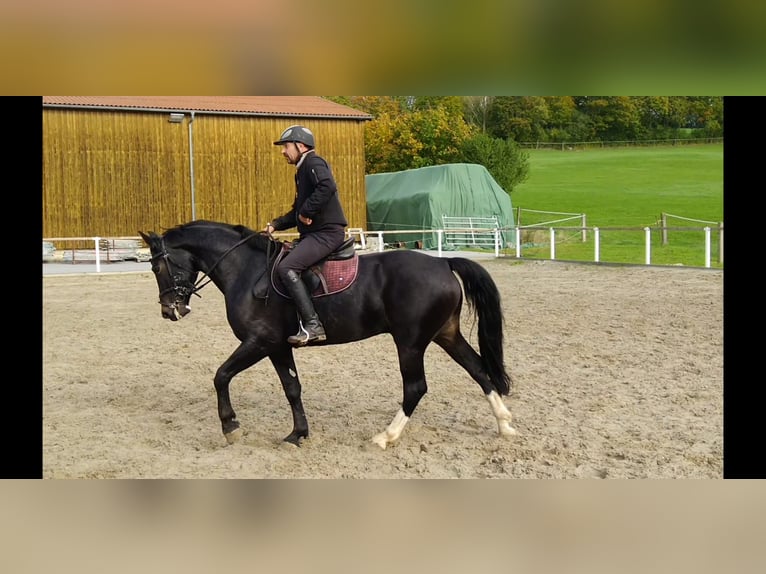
x=338 y=275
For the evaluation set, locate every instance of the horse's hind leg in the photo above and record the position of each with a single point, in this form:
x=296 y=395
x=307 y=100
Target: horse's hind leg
x=284 y=363
x=464 y=355
x=414 y=380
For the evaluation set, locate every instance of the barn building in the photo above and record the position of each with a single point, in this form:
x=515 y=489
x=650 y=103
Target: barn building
x=114 y=165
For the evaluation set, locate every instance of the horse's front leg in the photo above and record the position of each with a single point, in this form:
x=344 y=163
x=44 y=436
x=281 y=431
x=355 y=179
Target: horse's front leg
x=244 y=357
x=284 y=363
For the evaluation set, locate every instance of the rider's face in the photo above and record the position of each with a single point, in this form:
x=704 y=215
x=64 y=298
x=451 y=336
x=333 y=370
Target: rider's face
x=291 y=152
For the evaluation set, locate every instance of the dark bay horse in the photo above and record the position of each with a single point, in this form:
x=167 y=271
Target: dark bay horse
x=415 y=297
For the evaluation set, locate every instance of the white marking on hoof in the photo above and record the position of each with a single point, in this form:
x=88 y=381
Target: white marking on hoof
x=393 y=432
x=234 y=436
x=506 y=429
x=381 y=440
x=502 y=414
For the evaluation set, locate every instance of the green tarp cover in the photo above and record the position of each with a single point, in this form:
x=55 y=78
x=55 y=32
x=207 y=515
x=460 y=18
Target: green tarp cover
x=417 y=199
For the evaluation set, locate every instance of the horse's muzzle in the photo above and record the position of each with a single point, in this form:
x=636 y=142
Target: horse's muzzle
x=175 y=312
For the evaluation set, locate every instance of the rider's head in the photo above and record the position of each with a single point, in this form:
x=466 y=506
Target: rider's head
x=295 y=141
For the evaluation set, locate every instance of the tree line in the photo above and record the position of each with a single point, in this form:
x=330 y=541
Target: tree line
x=409 y=132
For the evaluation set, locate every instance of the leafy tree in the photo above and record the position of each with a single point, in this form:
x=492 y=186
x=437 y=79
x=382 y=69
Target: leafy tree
x=417 y=131
x=562 y=119
x=537 y=119
x=504 y=159
x=452 y=105
x=705 y=112
x=521 y=118
x=412 y=131
x=613 y=117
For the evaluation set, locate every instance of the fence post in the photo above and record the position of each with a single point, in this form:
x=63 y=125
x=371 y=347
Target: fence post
x=648 y=235
x=584 y=231
x=664 y=220
x=380 y=241
x=596 y=249
x=439 y=235
x=553 y=244
x=98 y=255
x=720 y=243
x=707 y=247
x=497 y=242
x=518 y=241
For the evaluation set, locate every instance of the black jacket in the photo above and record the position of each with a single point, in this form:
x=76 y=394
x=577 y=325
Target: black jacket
x=316 y=197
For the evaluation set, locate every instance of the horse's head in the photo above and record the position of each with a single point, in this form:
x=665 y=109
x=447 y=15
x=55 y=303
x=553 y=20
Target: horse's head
x=175 y=274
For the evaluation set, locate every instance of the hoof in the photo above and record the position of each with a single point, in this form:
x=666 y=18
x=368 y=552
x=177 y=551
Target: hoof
x=381 y=440
x=294 y=439
x=506 y=429
x=234 y=436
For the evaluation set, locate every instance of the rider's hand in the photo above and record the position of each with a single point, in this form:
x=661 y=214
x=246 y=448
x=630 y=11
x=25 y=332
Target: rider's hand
x=269 y=228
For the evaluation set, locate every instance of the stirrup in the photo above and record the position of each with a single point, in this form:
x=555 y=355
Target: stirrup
x=304 y=336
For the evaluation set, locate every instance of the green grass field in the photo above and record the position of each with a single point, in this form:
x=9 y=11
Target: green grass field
x=627 y=188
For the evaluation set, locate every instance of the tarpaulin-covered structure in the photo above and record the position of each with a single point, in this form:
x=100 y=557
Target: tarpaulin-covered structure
x=417 y=199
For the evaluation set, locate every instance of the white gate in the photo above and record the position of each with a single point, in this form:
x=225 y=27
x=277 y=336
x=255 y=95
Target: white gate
x=470 y=231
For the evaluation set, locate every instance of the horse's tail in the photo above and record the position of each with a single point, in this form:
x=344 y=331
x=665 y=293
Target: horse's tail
x=484 y=299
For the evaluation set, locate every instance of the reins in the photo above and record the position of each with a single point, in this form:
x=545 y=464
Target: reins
x=206 y=274
x=267 y=267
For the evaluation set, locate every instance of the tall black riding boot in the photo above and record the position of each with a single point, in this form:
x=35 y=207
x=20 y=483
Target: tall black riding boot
x=311 y=329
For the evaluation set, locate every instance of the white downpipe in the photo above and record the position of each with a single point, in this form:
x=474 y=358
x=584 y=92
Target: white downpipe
x=596 y=245
x=648 y=235
x=98 y=255
x=707 y=247
x=439 y=235
x=191 y=170
x=553 y=244
x=518 y=242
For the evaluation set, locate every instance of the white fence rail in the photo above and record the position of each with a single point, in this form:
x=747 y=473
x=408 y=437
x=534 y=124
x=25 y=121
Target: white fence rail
x=105 y=249
x=109 y=250
x=378 y=242
x=647 y=240
x=549 y=223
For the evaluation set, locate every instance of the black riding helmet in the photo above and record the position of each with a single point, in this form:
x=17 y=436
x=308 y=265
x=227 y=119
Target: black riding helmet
x=296 y=134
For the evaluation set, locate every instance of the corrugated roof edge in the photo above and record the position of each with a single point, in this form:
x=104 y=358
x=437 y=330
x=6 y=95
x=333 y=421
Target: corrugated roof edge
x=271 y=106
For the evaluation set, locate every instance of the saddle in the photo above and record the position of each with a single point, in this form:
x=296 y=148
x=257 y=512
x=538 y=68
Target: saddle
x=330 y=275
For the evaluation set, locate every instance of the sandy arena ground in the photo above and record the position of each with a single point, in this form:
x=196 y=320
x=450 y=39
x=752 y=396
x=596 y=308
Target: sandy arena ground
x=618 y=373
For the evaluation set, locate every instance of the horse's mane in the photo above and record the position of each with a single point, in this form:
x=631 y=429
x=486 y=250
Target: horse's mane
x=259 y=240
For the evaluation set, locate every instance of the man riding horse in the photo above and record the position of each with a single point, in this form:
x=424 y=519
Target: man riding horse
x=321 y=223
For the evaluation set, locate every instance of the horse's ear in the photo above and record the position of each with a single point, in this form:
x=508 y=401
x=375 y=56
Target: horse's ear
x=147 y=238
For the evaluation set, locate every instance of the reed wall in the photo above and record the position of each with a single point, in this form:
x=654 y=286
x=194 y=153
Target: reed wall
x=112 y=173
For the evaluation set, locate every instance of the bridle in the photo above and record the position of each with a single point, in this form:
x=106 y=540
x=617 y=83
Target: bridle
x=183 y=288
